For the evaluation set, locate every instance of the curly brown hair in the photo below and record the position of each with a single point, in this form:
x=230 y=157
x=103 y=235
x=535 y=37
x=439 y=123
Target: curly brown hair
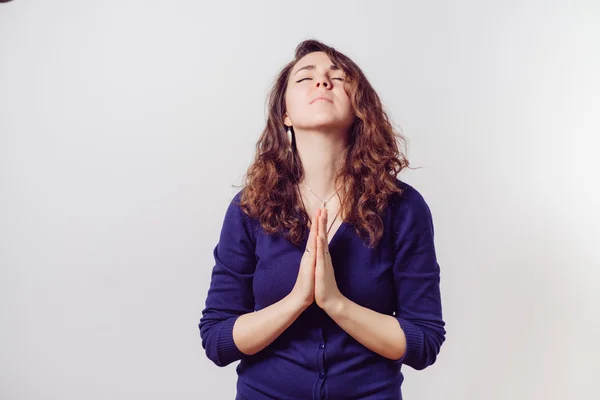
x=373 y=160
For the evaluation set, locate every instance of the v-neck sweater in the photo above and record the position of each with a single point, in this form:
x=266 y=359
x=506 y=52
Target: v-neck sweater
x=314 y=358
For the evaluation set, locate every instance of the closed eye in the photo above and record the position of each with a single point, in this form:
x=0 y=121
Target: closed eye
x=340 y=79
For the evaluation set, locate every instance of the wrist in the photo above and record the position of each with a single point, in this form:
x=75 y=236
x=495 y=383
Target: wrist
x=336 y=306
x=297 y=303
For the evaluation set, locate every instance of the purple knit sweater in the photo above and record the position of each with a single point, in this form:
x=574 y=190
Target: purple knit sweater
x=314 y=358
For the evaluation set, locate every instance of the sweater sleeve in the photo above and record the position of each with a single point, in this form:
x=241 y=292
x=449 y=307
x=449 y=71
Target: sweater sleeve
x=417 y=283
x=230 y=293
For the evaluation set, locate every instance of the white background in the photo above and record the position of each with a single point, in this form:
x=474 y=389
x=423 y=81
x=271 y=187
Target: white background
x=123 y=125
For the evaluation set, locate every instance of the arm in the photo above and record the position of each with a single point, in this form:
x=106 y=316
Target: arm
x=415 y=334
x=229 y=327
x=253 y=332
x=378 y=332
x=417 y=283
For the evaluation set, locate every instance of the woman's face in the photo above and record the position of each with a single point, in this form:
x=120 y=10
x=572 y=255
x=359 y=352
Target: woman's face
x=316 y=97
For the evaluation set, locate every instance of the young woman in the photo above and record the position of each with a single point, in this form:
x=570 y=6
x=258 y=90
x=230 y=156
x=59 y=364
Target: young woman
x=325 y=279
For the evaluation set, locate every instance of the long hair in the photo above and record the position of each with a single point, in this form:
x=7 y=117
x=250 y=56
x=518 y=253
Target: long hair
x=369 y=172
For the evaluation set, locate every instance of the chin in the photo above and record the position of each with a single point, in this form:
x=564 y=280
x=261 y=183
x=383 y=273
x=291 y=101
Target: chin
x=324 y=126
x=324 y=121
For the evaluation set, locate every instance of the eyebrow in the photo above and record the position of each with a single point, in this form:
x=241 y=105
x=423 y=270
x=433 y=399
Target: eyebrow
x=312 y=67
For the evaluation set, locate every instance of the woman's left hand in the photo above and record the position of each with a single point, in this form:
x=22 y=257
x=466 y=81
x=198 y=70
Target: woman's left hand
x=327 y=294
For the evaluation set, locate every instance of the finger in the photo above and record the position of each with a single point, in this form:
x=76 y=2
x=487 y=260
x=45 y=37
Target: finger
x=314 y=229
x=314 y=223
x=320 y=224
x=324 y=242
x=319 y=251
x=323 y=225
x=312 y=245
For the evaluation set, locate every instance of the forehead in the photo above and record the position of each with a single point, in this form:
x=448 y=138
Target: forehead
x=316 y=59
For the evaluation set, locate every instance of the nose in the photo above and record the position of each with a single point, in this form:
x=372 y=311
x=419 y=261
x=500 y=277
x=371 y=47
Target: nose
x=324 y=83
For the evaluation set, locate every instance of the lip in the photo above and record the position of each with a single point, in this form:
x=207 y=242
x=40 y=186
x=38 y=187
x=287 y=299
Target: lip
x=321 y=98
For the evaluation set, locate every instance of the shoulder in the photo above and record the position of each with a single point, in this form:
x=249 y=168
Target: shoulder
x=409 y=206
x=237 y=197
x=234 y=204
x=409 y=198
x=236 y=218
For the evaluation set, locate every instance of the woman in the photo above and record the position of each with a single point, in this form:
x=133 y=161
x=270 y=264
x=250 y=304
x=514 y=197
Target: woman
x=326 y=280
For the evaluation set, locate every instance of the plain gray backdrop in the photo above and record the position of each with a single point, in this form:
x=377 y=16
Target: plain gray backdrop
x=123 y=125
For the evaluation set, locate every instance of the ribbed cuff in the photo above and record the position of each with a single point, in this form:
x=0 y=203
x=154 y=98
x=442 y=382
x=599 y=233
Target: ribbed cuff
x=414 y=342
x=227 y=351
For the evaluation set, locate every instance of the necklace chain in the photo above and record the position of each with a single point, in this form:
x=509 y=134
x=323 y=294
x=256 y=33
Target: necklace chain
x=322 y=201
x=324 y=204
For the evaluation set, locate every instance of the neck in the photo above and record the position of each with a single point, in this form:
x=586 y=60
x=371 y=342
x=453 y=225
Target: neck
x=323 y=154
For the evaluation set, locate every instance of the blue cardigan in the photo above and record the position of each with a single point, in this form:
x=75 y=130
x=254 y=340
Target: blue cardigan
x=314 y=358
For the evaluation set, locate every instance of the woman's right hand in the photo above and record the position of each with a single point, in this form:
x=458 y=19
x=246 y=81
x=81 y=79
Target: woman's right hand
x=304 y=289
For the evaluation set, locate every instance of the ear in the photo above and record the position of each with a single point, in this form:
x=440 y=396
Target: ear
x=286 y=120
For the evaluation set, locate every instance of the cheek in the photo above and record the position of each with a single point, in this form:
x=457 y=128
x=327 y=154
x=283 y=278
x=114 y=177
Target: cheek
x=347 y=94
x=350 y=107
x=294 y=103
x=347 y=104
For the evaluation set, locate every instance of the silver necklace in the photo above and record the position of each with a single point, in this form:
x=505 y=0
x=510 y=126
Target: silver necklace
x=324 y=204
x=323 y=201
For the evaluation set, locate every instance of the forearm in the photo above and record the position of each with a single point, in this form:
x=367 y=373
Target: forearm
x=254 y=331
x=378 y=332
